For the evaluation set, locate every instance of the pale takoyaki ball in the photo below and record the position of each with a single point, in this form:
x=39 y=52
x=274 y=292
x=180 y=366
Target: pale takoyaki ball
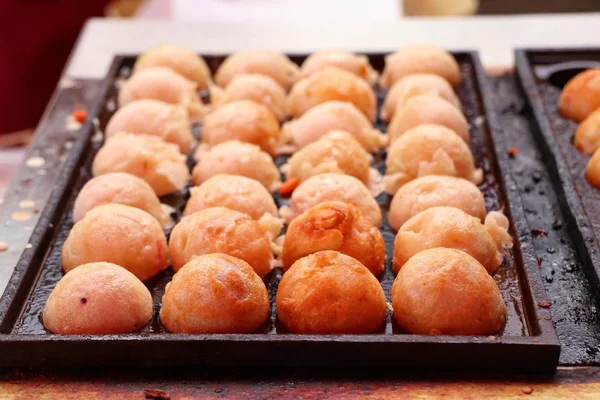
x=357 y=64
x=414 y=85
x=334 y=225
x=332 y=84
x=330 y=116
x=581 y=95
x=118 y=234
x=163 y=84
x=428 y=149
x=447 y=292
x=432 y=191
x=243 y=120
x=98 y=298
x=215 y=293
x=221 y=230
x=159 y=163
x=121 y=188
x=420 y=58
x=234 y=192
x=329 y=292
x=332 y=187
x=424 y=109
x=592 y=170
x=180 y=60
x=236 y=158
x=587 y=135
x=263 y=62
x=261 y=89
x=337 y=151
x=155 y=118
x=452 y=228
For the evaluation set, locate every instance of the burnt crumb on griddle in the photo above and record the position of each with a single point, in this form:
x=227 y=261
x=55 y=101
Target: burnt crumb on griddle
x=539 y=232
x=536 y=176
x=545 y=303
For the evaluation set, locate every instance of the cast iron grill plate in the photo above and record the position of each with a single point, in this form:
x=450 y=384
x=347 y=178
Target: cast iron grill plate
x=527 y=342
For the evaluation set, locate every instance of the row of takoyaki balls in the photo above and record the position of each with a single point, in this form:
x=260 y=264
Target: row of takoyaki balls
x=228 y=237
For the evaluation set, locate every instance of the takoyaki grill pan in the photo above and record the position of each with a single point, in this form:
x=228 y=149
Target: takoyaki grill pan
x=527 y=342
x=542 y=75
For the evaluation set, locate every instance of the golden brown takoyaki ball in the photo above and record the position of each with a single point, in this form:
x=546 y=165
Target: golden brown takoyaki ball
x=159 y=163
x=447 y=292
x=242 y=120
x=342 y=59
x=332 y=187
x=332 y=84
x=329 y=292
x=221 y=230
x=452 y=228
x=420 y=58
x=334 y=225
x=163 y=84
x=337 y=151
x=180 y=60
x=236 y=158
x=121 y=188
x=414 y=85
x=263 y=62
x=587 y=136
x=581 y=95
x=432 y=191
x=592 y=171
x=215 y=293
x=424 y=109
x=428 y=149
x=118 y=234
x=98 y=298
x=330 y=116
x=261 y=89
x=156 y=118
x=234 y=192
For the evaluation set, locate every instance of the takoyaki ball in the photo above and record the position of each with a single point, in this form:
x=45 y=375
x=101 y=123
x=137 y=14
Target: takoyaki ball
x=329 y=292
x=221 y=230
x=235 y=192
x=414 y=85
x=155 y=118
x=334 y=225
x=418 y=59
x=242 y=120
x=424 y=109
x=98 y=298
x=332 y=84
x=428 y=149
x=330 y=116
x=592 y=171
x=236 y=158
x=215 y=293
x=337 y=151
x=261 y=89
x=163 y=84
x=121 y=188
x=452 y=228
x=587 y=136
x=180 y=60
x=348 y=61
x=432 y=191
x=581 y=95
x=263 y=62
x=332 y=187
x=118 y=234
x=447 y=292
x=159 y=163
